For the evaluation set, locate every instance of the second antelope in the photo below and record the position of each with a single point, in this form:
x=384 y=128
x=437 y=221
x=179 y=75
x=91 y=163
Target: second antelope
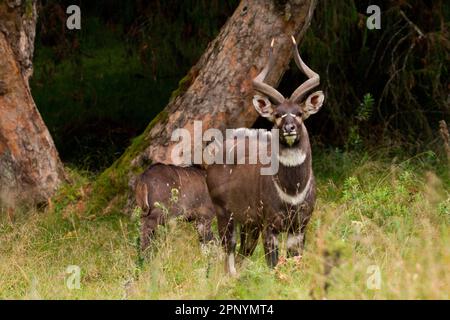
x=165 y=191
x=270 y=204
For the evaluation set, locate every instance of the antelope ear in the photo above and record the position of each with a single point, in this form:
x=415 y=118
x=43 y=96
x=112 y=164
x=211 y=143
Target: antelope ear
x=263 y=106
x=313 y=104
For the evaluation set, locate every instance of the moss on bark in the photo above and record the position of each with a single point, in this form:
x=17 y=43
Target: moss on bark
x=112 y=184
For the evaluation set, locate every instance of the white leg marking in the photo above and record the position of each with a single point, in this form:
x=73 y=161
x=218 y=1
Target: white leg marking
x=294 y=241
x=231 y=264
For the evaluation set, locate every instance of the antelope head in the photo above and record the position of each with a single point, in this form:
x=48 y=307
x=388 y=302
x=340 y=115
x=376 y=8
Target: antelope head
x=288 y=114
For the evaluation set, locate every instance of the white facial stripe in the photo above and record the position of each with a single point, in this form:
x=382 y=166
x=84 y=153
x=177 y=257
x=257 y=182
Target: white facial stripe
x=293 y=200
x=292 y=157
x=290 y=114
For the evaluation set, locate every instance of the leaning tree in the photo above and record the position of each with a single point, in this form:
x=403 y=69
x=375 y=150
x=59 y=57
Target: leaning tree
x=218 y=89
x=30 y=168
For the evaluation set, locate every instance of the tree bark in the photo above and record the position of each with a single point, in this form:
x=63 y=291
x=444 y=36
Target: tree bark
x=218 y=89
x=30 y=168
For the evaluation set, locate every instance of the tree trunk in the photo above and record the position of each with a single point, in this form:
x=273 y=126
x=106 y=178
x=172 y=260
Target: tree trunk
x=218 y=89
x=30 y=169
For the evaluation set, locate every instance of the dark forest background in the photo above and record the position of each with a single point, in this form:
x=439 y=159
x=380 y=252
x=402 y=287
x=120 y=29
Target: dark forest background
x=99 y=87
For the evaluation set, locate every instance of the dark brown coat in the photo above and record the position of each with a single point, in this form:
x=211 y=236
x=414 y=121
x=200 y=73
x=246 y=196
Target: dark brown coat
x=242 y=195
x=284 y=200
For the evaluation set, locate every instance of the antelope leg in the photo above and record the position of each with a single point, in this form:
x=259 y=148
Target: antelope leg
x=204 y=231
x=249 y=240
x=228 y=237
x=295 y=244
x=149 y=223
x=271 y=247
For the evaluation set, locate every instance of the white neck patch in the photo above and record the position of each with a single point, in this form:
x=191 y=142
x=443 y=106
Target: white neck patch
x=292 y=157
x=293 y=200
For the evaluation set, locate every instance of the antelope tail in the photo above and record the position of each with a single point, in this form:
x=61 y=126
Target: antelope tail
x=142 y=196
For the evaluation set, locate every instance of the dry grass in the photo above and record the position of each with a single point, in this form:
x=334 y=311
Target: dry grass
x=372 y=216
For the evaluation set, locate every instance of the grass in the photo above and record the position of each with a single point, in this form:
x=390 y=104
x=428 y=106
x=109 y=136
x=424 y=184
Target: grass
x=372 y=214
